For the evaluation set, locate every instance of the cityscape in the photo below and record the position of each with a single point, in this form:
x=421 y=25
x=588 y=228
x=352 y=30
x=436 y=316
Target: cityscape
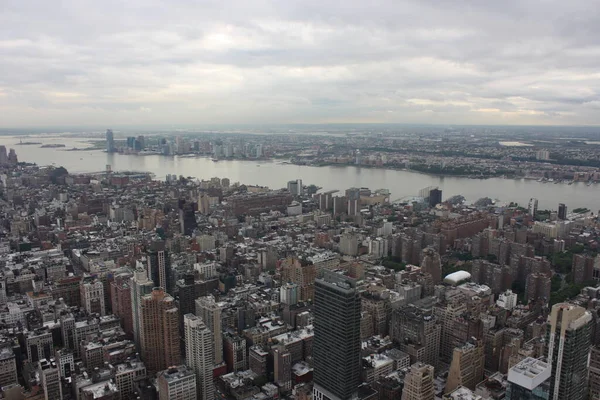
x=119 y=285
x=299 y=200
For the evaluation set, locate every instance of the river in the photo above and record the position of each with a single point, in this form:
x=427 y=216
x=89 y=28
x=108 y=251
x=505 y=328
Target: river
x=276 y=175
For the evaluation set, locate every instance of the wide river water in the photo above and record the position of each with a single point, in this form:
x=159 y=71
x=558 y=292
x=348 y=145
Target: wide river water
x=276 y=175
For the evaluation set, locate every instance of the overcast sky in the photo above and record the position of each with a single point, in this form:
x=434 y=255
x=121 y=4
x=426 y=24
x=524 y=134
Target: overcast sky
x=130 y=62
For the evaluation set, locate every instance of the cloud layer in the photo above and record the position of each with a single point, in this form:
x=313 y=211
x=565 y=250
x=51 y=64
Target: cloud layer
x=105 y=63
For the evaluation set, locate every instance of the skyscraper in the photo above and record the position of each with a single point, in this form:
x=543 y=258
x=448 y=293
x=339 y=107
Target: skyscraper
x=120 y=289
x=568 y=339
x=418 y=383
x=467 y=366
x=159 y=322
x=417 y=330
x=562 y=211
x=336 y=346
x=533 y=206
x=295 y=187
x=199 y=354
x=594 y=377
x=159 y=266
x=110 y=141
x=431 y=263
x=187 y=217
x=210 y=312
x=302 y=273
x=435 y=197
x=3 y=155
x=140 y=286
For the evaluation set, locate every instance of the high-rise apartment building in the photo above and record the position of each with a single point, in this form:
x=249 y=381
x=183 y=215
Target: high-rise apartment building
x=295 y=187
x=177 y=383
x=235 y=352
x=159 y=267
x=121 y=301
x=467 y=367
x=532 y=207
x=431 y=263
x=417 y=330
x=199 y=354
x=562 y=211
x=282 y=368
x=303 y=274
x=159 y=322
x=594 y=376
x=349 y=244
x=288 y=294
x=568 y=346
x=140 y=285
x=336 y=345
x=377 y=304
x=418 y=383
x=210 y=312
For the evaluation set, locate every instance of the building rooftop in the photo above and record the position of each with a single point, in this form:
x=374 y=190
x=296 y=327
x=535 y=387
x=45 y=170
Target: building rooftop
x=530 y=373
x=462 y=393
x=101 y=389
x=176 y=373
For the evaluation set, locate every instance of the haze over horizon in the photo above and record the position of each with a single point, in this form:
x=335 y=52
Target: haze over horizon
x=83 y=63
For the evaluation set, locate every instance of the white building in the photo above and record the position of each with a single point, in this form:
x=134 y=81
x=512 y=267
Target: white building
x=206 y=270
x=210 y=312
x=530 y=373
x=295 y=187
x=543 y=155
x=199 y=353
x=386 y=230
x=294 y=209
x=533 y=206
x=288 y=293
x=206 y=242
x=349 y=244
x=378 y=247
x=141 y=285
x=507 y=300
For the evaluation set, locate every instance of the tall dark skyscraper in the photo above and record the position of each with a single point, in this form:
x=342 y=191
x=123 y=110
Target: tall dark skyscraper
x=187 y=217
x=568 y=339
x=159 y=267
x=336 y=346
x=110 y=141
x=562 y=211
x=435 y=197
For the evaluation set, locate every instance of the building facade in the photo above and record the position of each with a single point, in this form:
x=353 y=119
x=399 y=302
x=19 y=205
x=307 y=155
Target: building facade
x=336 y=346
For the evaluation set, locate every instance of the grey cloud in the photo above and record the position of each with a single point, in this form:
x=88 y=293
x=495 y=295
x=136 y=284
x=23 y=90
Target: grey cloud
x=198 y=62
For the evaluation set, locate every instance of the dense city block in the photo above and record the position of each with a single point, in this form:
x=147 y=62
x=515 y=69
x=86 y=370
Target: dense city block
x=116 y=285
